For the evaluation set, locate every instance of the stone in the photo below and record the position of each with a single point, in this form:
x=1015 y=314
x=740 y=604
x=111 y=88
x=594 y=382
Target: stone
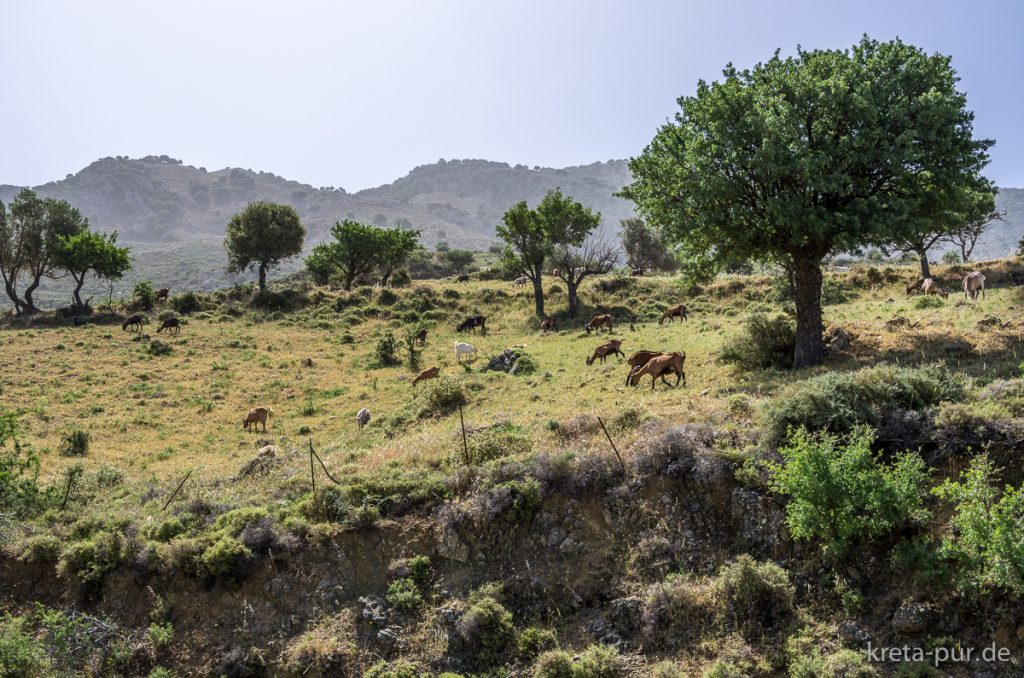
x=911 y=619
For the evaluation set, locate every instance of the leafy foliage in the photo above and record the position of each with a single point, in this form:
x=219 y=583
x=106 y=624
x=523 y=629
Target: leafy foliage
x=839 y=493
x=261 y=236
x=767 y=341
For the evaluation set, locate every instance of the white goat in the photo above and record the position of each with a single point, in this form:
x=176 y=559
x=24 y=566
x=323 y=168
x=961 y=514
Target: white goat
x=973 y=284
x=520 y=282
x=462 y=348
x=363 y=417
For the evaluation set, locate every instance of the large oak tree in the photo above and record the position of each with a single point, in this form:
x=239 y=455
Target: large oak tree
x=261 y=236
x=805 y=156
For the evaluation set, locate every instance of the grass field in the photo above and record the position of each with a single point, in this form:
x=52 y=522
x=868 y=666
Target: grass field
x=155 y=416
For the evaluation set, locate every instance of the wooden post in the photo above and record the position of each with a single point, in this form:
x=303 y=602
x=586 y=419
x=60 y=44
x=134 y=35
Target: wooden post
x=177 y=489
x=312 y=476
x=612 y=443
x=465 y=444
x=67 y=491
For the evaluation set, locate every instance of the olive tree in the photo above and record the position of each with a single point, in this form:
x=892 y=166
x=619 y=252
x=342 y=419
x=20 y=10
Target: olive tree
x=87 y=252
x=802 y=157
x=262 y=236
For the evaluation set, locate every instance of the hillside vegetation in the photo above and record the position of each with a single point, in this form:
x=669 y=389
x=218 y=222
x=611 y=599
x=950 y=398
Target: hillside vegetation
x=157 y=536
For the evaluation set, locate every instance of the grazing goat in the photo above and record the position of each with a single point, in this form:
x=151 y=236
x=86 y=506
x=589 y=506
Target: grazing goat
x=556 y=272
x=421 y=336
x=136 y=321
x=463 y=278
x=929 y=286
x=170 y=324
x=973 y=284
x=462 y=348
x=659 y=366
x=915 y=286
x=257 y=415
x=599 y=321
x=473 y=322
x=429 y=373
x=606 y=349
x=162 y=294
x=672 y=312
x=638 y=360
x=637 y=272
x=363 y=417
x=520 y=282
x=548 y=325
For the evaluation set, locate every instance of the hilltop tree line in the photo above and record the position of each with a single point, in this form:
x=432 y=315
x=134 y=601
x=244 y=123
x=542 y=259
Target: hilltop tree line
x=48 y=238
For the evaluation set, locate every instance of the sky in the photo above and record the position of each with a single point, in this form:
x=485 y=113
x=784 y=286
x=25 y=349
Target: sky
x=357 y=93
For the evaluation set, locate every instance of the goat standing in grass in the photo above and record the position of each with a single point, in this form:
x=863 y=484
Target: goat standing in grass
x=429 y=373
x=170 y=324
x=610 y=347
x=136 y=321
x=257 y=415
x=973 y=284
x=462 y=348
x=672 y=312
x=638 y=360
x=599 y=321
x=929 y=286
x=363 y=417
x=660 y=366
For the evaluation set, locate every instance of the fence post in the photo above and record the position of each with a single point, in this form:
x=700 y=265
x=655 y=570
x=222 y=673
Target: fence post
x=612 y=443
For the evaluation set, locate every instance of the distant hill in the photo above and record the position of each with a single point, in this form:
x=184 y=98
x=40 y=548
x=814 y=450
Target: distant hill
x=173 y=215
x=160 y=199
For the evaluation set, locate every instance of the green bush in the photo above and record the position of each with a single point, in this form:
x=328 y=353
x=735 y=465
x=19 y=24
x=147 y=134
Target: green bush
x=440 y=396
x=525 y=364
x=766 y=341
x=404 y=595
x=553 y=664
x=40 y=548
x=598 y=661
x=419 y=570
x=988 y=547
x=845 y=663
x=20 y=653
x=400 y=668
x=186 y=303
x=158 y=348
x=387 y=351
x=160 y=635
x=930 y=301
x=226 y=557
x=20 y=494
x=840 y=493
x=143 y=295
x=486 y=627
x=74 y=443
x=386 y=297
x=533 y=641
x=837 y=402
x=724 y=669
x=494 y=442
x=90 y=559
x=400 y=278
x=757 y=595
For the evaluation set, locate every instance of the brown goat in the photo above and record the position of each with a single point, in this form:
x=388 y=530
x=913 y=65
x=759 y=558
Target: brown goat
x=598 y=321
x=463 y=278
x=257 y=415
x=170 y=324
x=636 y=272
x=606 y=349
x=429 y=373
x=137 y=321
x=678 y=311
x=659 y=366
x=914 y=286
x=929 y=286
x=162 y=294
x=638 y=360
x=548 y=325
x=421 y=336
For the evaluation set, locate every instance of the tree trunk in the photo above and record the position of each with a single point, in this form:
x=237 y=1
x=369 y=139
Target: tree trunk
x=30 y=304
x=12 y=293
x=79 y=282
x=807 y=282
x=573 y=295
x=922 y=254
x=538 y=294
x=385 y=276
x=263 y=277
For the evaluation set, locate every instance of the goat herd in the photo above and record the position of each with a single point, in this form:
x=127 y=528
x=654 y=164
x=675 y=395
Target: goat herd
x=655 y=364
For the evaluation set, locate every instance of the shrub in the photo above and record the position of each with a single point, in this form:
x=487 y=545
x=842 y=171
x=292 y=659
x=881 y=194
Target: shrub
x=74 y=443
x=833 y=291
x=396 y=669
x=40 y=548
x=226 y=557
x=186 y=303
x=840 y=493
x=525 y=364
x=400 y=278
x=554 y=664
x=838 y=402
x=533 y=641
x=160 y=635
x=404 y=596
x=930 y=301
x=158 y=348
x=144 y=295
x=364 y=517
x=494 y=442
x=677 y=611
x=757 y=595
x=598 y=661
x=766 y=341
x=20 y=653
x=486 y=627
x=387 y=351
x=988 y=546
x=440 y=396
x=419 y=570
x=845 y=663
x=667 y=669
x=724 y=669
x=90 y=559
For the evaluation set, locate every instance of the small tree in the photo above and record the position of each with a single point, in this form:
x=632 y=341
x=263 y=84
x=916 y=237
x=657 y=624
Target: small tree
x=355 y=251
x=966 y=236
x=574 y=264
x=397 y=244
x=262 y=236
x=527 y=246
x=460 y=260
x=88 y=251
x=644 y=249
x=144 y=295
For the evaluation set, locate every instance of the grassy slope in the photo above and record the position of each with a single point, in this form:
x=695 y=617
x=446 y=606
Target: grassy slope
x=156 y=416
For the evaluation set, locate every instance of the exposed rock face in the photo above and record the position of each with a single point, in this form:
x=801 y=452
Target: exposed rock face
x=912 y=619
x=759 y=520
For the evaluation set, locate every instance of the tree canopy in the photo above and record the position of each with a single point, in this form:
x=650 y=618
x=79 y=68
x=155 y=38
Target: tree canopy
x=261 y=236
x=804 y=156
x=88 y=251
x=358 y=249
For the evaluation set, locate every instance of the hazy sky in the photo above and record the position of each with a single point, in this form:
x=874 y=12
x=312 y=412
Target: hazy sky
x=356 y=94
